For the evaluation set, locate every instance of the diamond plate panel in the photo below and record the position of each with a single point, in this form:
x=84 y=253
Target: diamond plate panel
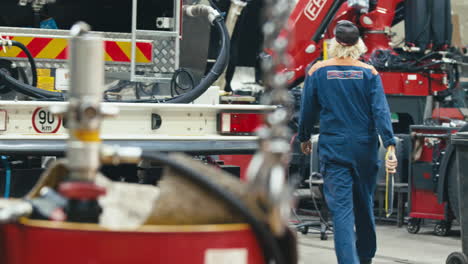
x=164 y=58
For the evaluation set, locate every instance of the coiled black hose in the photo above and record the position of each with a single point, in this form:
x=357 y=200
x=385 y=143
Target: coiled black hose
x=268 y=243
x=27 y=89
x=24 y=88
x=175 y=85
x=30 y=59
x=216 y=71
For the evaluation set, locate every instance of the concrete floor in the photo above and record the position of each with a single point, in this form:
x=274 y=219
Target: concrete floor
x=395 y=245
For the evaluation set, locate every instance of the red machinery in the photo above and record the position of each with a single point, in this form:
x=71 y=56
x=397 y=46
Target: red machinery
x=312 y=22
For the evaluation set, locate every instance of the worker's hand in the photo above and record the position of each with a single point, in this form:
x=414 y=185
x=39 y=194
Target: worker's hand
x=306 y=147
x=391 y=161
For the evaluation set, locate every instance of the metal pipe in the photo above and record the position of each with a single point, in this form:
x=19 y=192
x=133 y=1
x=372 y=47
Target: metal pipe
x=84 y=114
x=201 y=11
x=133 y=48
x=428 y=107
x=423 y=135
x=177 y=14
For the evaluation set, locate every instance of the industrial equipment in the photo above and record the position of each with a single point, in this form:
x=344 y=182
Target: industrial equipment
x=155 y=63
x=143 y=67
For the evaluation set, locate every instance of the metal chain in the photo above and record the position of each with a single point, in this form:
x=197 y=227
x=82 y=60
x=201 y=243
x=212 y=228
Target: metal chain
x=276 y=34
x=267 y=171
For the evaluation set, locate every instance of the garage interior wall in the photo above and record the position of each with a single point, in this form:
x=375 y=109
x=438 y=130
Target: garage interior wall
x=460 y=8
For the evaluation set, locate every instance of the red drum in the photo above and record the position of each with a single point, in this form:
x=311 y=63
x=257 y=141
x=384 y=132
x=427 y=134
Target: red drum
x=47 y=242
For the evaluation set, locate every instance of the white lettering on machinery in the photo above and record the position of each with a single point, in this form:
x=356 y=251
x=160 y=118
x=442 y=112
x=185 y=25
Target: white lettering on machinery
x=313 y=9
x=226 y=256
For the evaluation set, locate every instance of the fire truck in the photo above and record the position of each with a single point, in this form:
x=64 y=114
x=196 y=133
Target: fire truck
x=158 y=70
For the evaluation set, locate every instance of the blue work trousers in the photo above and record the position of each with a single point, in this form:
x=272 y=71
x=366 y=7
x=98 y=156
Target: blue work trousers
x=350 y=199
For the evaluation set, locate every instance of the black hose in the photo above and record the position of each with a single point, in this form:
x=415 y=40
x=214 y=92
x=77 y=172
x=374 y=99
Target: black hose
x=425 y=66
x=30 y=59
x=216 y=71
x=425 y=57
x=23 y=75
x=26 y=89
x=267 y=241
x=175 y=84
x=212 y=4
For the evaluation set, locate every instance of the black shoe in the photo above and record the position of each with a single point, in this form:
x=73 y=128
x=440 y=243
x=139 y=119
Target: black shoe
x=363 y=261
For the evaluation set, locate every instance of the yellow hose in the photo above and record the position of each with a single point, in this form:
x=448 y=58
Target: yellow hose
x=325 y=50
x=387 y=186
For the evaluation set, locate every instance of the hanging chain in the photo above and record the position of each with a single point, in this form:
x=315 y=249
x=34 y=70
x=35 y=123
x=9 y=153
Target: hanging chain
x=276 y=34
x=269 y=166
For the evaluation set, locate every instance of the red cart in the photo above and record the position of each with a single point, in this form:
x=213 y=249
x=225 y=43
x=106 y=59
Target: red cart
x=427 y=154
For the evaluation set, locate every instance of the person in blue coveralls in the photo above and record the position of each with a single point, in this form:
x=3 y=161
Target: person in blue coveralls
x=347 y=97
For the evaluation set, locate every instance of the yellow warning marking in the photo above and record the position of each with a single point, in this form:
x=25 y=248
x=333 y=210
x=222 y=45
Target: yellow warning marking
x=43 y=72
x=107 y=57
x=53 y=49
x=46 y=83
x=15 y=51
x=140 y=57
x=126 y=47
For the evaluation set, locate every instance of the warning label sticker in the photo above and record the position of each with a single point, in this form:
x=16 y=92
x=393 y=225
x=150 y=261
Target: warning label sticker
x=62 y=81
x=226 y=256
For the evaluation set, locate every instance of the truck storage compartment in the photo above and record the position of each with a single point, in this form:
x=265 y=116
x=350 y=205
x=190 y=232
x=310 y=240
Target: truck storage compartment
x=102 y=15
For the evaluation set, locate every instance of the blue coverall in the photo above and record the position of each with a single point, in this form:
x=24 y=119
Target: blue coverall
x=349 y=98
